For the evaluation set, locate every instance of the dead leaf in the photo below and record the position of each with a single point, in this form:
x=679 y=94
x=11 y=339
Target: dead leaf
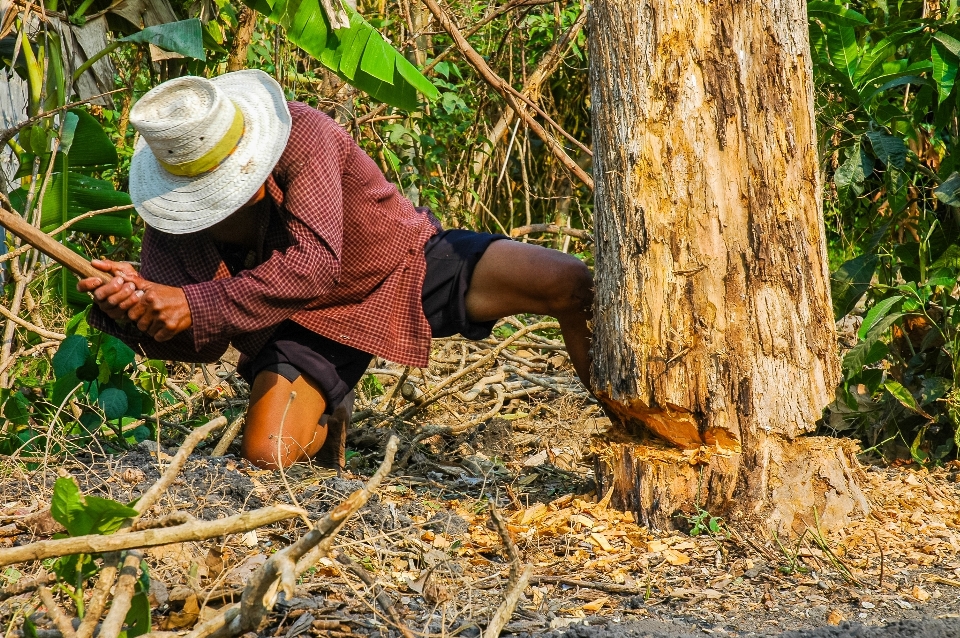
x=920 y=593
x=834 y=618
x=656 y=546
x=596 y=605
x=214 y=561
x=534 y=513
x=158 y=593
x=41 y=524
x=242 y=573
x=675 y=558
x=602 y=542
x=186 y=617
x=433 y=591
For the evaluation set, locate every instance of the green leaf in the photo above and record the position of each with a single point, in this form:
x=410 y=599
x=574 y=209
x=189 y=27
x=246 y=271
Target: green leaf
x=78 y=324
x=933 y=388
x=889 y=149
x=949 y=42
x=880 y=52
x=86 y=515
x=91 y=145
x=850 y=281
x=106 y=515
x=138 y=618
x=71 y=354
x=353 y=49
x=114 y=403
x=115 y=353
x=950 y=259
x=948 y=191
x=844 y=52
x=901 y=394
x=944 y=70
x=879 y=310
x=16 y=409
x=834 y=14
x=184 y=37
x=66 y=504
x=871 y=349
x=852 y=173
x=84 y=194
x=69 y=131
x=64 y=386
x=378 y=58
x=410 y=73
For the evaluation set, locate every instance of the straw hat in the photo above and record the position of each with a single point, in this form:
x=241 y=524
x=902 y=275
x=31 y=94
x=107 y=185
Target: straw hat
x=205 y=147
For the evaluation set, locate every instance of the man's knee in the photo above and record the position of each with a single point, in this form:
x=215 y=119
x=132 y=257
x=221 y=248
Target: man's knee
x=571 y=287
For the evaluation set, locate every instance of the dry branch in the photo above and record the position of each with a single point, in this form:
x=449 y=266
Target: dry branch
x=192 y=531
x=123 y=596
x=515 y=585
x=55 y=613
x=610 y=588
x=379 y=594
x=554 y=229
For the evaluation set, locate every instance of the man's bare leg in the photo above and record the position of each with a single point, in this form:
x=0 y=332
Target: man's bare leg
x=302 y=435
x=513 y=278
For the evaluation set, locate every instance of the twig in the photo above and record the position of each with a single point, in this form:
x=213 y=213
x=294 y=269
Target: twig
x=577 y=233
x=192 y=531
x=23 y=323
x=123 y=595
x=228 y=436
x=508 y=543
x=26 y=585
x=509 y=604
x=170 y=520
x=379 y=593
x=55 y=613
x=153 y=494
x=509 y=94
x=7 y=135
x=260 y=593
x=610 y=588
x=876 y=537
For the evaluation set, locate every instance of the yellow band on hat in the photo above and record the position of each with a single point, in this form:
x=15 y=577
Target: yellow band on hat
x=215 y=156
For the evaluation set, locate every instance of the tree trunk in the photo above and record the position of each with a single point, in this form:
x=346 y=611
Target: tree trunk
x=713 y=326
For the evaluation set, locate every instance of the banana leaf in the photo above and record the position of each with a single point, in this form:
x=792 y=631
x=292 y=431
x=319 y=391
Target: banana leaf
x=84 y=194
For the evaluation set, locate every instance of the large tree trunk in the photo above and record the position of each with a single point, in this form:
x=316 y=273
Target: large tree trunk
x=713 y=324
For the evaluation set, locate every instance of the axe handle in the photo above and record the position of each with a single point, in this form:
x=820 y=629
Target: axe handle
x=50 y=247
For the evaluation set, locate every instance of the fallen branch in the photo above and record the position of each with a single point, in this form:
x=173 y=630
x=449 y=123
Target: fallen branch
x=610 y=588
x=228 y=436
x=123 y=596
x=554 y=229
x=192 y=531
x=25 y=585
x=55 y=613
x=515 y=585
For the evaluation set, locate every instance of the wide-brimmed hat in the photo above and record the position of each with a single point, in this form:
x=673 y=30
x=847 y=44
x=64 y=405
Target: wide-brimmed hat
x=205 y=147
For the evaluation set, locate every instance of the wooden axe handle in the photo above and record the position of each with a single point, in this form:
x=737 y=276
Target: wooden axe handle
x=50 y=247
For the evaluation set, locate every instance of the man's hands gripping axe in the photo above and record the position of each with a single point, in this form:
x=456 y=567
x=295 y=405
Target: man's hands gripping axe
x=159 y=311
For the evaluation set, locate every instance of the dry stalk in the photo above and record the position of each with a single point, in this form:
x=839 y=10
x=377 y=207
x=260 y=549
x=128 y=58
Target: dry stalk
x=122 y=596
x=192 y=531
x=281 y=570
x=515 y=585
x=228 y=436
x=55 y=613
x=25 y=585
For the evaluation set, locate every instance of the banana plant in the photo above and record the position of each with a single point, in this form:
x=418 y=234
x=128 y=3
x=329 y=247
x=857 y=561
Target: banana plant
x=345 y=43
x=84 y=149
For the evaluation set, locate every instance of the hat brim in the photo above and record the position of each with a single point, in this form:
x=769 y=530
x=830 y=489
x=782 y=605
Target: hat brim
x=180 y=205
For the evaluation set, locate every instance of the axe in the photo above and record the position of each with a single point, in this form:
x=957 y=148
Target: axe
x=50 y=247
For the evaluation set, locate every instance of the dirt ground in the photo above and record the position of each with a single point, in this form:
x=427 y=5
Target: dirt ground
x=427 y=540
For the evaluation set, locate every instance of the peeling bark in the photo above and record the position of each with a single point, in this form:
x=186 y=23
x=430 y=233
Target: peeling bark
x=714 y=328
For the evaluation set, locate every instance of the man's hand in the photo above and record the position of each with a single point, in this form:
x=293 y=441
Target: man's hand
x=158 y=310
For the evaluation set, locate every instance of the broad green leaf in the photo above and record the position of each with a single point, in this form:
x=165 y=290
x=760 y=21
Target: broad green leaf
x=106 y=515
x=16 y=409
x=889 y=149
x=115 y=353
x=184 y=37
x=353 y=51
x=64 y=386
x=84 y=194
x=879 y=310
x=833 y=14
x=65 y=504
x=69 y=131
x=91 y=144
x=878 y=53
x=948 y=41
x=879 y=85
x=948 y=191
x=850 y=281
x=944 y=70
x=71 y=354
x=378 y=58
x=114 y=403
x=933 y=388
x=844 y=52
x=138 y=618
x=949 y=259
x=903 y=395
x=416 y=79
x=78 y=324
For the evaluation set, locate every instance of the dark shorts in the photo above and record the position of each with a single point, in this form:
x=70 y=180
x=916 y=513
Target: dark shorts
x=293 y=350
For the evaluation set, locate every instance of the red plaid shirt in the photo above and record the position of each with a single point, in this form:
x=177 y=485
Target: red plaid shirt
x=341 y=255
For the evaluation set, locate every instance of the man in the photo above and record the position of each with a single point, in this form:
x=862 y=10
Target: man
x=269 y=228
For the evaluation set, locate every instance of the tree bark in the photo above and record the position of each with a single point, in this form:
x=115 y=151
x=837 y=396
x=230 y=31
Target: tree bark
x=713 y=326
x=247 y=22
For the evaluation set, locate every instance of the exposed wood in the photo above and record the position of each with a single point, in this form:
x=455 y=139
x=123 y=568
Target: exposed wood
x=247 y=22
x=578 y=233
x=713 y=324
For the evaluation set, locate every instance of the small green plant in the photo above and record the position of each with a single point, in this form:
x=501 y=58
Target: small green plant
x=82 y=515
x=703 y=522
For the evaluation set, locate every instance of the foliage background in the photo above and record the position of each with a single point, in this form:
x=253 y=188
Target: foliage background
x=887 y=101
